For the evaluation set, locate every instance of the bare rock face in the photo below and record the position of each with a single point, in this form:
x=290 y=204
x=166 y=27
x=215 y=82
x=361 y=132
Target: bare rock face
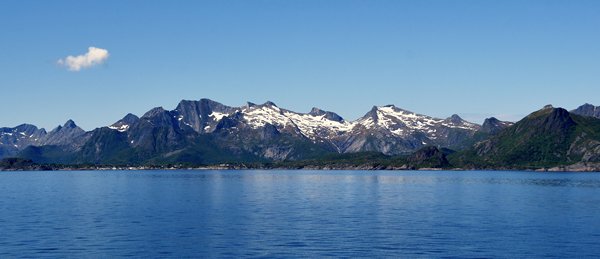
x=587 y=110
x=202 y=115
x=69 y=135
x=276 y=153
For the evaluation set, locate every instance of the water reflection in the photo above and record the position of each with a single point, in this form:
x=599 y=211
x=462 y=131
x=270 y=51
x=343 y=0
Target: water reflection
x=298 y=214
x=397 y=177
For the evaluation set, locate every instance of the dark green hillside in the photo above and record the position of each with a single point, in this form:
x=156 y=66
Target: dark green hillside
x=13 y=163
x=205 y=150
x=47 y=154
x=545 y=138
x=106 y=146
x=426 y=157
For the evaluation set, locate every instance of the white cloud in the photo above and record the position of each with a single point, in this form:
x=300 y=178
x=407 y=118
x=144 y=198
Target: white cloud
x=94 y=56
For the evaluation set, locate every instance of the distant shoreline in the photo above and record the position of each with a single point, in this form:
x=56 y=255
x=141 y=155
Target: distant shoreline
x=307 y=168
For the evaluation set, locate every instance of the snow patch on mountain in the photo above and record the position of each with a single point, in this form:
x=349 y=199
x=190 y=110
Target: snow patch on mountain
x=310 y=125
x=313 y=126
x=217 y=116
x=260 y=115
x=120 y=128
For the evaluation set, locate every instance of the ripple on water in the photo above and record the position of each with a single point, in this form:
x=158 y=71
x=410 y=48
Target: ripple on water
x=299 y=214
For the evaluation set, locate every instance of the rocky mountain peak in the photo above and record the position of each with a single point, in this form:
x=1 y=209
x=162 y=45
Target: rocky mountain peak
x=130 y=118
x=559 y=115
x=63 y=135
x=372 y=113
x=455 y=119
x=207 y=100
x=202 y=115
x=493 y=125
x=185 y=103
x=588 y=110
x=158 y=117
x=27 y=129
x=126 y=122
x=316 y=111
x=269 y=103
x=154 y=112
x=490 y=121
x=328 y=115
x=203 y=104
x=70 y=124
x=548 y=120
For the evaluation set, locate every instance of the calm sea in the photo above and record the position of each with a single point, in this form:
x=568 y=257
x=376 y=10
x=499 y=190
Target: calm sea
x=299 y=214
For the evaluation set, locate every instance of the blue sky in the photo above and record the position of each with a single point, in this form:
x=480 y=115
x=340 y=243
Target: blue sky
x=473 y=58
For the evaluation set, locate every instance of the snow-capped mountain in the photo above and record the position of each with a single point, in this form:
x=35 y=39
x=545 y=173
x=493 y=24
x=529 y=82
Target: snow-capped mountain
x=12 y=140
x=401 y=122
x=255 y=130
x=386 y=129
x=392 y=130
x=314 y=125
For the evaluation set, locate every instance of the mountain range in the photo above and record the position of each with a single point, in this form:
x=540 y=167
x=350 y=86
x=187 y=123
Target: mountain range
x=206 y=132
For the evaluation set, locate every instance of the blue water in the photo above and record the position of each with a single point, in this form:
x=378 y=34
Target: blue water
x=299 y=214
